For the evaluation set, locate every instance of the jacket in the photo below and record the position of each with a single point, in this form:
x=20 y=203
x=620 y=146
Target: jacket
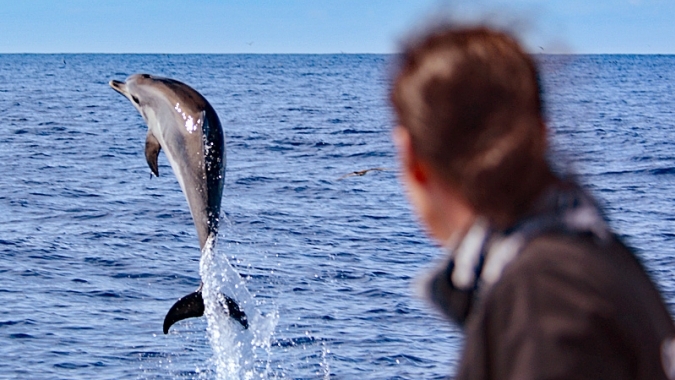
x=556 y=297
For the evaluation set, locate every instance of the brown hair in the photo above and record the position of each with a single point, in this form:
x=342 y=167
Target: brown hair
x=470 y=101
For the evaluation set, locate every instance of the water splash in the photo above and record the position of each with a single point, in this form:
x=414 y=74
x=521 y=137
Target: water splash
x=238 y=353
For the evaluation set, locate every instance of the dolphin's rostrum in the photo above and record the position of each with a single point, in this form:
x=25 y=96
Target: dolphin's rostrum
x=183 y=124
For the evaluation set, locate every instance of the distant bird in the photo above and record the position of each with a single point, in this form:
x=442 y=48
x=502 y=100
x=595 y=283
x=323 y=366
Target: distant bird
x=249 y=43
x=361 y=173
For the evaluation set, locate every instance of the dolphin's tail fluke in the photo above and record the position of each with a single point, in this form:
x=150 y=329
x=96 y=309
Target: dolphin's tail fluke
x=189 y=306
x=192 y=305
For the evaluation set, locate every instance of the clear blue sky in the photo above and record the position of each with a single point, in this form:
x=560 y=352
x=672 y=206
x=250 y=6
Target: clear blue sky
x=319 y=26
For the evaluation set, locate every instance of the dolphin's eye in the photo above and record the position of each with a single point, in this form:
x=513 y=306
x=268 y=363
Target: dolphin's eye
x=135 y=99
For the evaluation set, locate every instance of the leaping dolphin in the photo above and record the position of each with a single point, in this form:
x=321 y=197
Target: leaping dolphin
x=183 y=124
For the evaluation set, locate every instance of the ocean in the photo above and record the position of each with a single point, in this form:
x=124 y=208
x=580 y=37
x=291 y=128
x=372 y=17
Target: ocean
x=94 y=251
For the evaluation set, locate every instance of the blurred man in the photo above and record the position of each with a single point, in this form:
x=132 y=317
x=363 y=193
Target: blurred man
x=540 y=284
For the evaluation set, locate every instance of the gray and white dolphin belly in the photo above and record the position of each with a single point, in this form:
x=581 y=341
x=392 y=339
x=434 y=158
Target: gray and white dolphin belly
x=183 y=124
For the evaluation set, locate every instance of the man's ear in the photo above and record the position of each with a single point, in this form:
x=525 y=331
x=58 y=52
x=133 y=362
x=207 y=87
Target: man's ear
x=411 y=165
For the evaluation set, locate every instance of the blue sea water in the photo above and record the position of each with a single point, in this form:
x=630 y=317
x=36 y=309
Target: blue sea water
x=93 y=251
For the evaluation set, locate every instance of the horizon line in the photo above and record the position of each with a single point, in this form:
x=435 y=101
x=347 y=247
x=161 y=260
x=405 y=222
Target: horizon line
x=334 y=53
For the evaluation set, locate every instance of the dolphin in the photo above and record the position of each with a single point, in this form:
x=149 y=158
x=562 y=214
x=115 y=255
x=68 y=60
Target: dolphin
x=183 y=124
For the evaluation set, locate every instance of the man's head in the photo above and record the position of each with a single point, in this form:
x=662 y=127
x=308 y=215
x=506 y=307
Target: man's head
x=468 y=106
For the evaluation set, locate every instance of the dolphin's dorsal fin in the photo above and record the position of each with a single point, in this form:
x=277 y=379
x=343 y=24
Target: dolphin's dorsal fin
x=152 y=148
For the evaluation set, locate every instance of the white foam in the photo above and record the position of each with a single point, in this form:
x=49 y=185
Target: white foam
x=238 y=353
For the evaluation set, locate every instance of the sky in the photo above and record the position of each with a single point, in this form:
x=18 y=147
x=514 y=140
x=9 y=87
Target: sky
x=324 y=26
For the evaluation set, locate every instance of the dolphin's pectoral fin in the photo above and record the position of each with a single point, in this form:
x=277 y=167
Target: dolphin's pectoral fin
x=152 y=148
x=192 y=305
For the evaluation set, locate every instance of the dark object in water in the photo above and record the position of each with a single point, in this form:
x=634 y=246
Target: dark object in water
x=192 y=305
x=361 y=173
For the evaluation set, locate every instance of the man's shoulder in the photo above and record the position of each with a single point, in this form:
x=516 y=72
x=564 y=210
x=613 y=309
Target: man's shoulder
x=566 y=267
x=578 y=272
x=578 y=299
x=577 y=257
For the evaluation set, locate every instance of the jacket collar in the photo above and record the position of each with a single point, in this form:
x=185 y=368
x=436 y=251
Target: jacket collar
x=476 y=260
